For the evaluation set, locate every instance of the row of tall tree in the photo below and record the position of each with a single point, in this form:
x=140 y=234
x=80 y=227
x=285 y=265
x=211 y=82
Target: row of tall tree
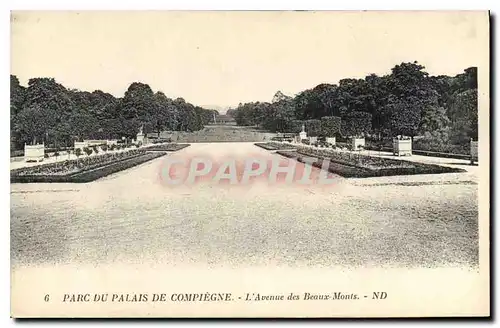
x=47 y=111
x=406 y=102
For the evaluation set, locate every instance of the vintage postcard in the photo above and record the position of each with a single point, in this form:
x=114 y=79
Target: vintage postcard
x=249 y=164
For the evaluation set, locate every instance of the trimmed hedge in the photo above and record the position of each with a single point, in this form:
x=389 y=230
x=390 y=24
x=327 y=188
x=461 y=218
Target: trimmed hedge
x=19 y=153
x=425 y=153
x=160 y=140
x=336 y=168
x=330 y=126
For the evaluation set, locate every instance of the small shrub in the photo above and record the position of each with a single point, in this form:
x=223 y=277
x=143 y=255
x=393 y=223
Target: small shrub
x=56 y=154
x=96 y=150
x=78 y=152
x=46 y=155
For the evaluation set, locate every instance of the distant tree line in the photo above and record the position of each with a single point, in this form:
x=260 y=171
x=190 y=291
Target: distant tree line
x=46 y=111
x=406 y=102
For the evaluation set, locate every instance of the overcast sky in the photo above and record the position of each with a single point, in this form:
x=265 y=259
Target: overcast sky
x=224 y=58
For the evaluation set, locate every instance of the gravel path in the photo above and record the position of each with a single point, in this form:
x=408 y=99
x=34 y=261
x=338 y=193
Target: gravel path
x=131 y=217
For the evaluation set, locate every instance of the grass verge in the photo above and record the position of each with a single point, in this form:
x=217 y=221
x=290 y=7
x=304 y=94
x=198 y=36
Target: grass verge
x=274 y=146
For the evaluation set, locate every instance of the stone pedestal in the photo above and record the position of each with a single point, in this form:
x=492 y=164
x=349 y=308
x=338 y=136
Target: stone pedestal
x=34 y=153
x=302 y=135
x=401 y=147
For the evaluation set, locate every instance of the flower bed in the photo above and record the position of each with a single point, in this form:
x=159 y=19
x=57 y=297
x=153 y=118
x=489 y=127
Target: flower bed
x=83 y=170
x=351 y=165
x=167 y=147
x=401 y=146
x=274 y=145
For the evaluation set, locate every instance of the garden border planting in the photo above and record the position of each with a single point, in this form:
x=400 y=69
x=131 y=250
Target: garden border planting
x=352 y=170
x=425 y=153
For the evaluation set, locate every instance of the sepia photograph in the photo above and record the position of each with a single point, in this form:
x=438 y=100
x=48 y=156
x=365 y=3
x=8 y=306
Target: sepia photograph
x=249 y=163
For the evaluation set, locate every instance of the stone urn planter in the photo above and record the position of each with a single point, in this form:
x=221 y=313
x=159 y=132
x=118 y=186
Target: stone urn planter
x=402 y=146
